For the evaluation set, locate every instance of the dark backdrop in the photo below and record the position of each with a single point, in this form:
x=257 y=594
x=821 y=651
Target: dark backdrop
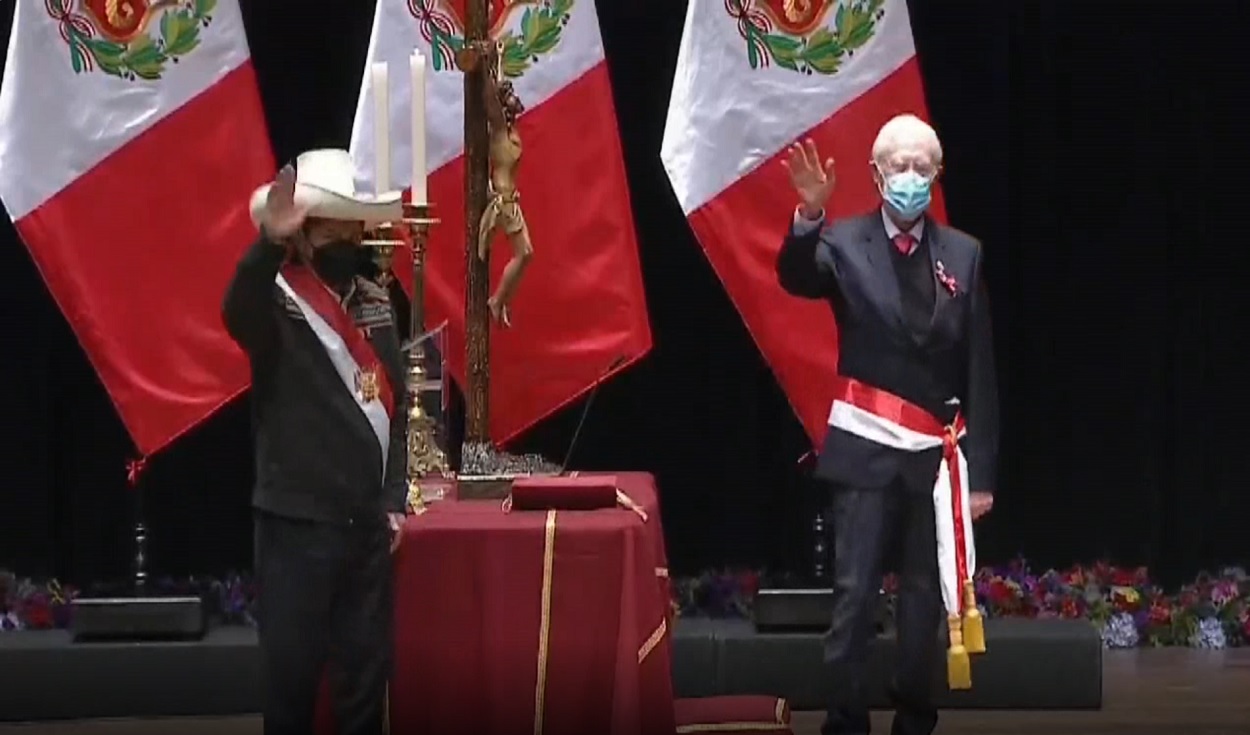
x=1114 y=293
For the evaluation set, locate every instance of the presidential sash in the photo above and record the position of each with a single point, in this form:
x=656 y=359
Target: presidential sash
x=886 y=419
x=349 y=350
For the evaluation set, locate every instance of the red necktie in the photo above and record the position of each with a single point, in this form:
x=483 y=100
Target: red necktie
x=904 y=242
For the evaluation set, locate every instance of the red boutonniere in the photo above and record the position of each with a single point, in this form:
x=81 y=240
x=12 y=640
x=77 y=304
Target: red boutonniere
x=947 y=280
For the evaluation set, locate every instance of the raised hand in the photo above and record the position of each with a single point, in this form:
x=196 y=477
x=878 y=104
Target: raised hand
x=811 y=181
x=283 y=216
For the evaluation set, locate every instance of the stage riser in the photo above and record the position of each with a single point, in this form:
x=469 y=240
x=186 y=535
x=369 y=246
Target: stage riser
x=1031 y=665
x=48 y=677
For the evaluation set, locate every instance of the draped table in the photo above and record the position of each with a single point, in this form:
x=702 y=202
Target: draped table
x=532 y=622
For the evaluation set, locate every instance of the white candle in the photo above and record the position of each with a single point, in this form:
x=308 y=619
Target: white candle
x=381 y=129
x=416 y=65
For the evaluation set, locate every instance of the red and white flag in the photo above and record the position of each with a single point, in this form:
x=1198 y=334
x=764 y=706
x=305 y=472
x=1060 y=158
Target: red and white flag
x=131 y=136
x=752 y=77
x=580 y=311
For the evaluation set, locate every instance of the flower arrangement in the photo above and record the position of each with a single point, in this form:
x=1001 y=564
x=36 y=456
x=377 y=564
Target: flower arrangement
x=1126 y=606
x=26 y=605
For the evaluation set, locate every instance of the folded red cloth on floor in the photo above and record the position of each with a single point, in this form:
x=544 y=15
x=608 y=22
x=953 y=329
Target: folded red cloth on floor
x=587 y=492
x=736 y=714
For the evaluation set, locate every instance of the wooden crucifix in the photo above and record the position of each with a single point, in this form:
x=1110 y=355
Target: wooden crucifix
x=476 y=193
x=492 y=154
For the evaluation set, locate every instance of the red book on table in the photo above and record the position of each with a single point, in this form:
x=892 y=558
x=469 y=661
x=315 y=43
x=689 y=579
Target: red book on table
x=564 y=492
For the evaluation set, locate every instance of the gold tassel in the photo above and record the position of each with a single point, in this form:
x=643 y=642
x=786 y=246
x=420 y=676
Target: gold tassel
x=958 y=665
x=974 y=624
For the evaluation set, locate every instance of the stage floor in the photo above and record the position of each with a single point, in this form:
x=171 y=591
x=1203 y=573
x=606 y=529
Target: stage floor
x=1146 y=692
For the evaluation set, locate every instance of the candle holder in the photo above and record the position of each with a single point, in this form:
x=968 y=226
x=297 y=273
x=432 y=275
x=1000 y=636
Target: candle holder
x=382 y=240
x=427 y=464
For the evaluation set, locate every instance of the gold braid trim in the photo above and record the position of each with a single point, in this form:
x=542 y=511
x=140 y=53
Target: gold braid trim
x=777 y=726
x=544 y=621
x=652 y=641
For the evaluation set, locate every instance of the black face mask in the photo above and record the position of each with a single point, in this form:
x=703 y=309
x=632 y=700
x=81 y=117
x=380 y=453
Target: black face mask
x=336 y=262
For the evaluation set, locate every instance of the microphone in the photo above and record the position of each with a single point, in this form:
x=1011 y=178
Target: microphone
x=590 y=399
x=407 y=345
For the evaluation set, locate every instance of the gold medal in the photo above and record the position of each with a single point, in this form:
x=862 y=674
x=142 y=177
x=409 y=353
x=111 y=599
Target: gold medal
x=367 y=384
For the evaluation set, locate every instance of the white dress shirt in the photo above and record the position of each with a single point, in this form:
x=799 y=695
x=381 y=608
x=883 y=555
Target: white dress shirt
x=804 y=226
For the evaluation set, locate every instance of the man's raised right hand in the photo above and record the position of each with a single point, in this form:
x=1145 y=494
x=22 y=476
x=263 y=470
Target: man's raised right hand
x=812 y=181
x=283 y=217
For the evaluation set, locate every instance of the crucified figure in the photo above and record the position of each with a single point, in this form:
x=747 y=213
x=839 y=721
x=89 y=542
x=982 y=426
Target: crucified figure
x=503 y=209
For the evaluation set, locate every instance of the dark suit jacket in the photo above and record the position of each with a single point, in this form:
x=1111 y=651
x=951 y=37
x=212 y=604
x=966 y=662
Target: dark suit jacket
x=848 y=263
x=317 y=457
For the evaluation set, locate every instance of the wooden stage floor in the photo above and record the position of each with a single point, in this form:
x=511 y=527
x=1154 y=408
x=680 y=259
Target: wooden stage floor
x=1147 y=692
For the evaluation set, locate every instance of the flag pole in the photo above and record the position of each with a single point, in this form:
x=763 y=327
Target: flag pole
x=133 y=610
x=139 y=564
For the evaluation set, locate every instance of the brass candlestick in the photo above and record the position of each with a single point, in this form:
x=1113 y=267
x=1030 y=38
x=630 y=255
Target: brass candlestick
x=383 y=240
x=425 y=459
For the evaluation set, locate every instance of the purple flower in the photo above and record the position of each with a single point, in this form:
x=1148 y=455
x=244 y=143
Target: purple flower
x=1120 y=632
x=1224 y=592
x=61 y=615
x=1209 y=634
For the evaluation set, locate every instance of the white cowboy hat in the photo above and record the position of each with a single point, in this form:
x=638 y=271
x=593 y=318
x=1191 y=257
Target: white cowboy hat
x=324 y=184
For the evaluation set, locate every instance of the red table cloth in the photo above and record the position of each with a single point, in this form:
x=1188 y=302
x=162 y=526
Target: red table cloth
x=532 y=622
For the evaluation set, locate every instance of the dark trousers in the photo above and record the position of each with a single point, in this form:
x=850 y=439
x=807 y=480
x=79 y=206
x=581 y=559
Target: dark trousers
x=870 y=526
x=325 y=607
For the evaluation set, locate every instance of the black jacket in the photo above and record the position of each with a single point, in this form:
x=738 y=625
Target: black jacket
x=924 y=346
x=316 y=456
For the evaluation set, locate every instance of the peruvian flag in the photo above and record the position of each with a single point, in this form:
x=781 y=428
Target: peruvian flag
x=752 y=77
x=131 y=136
x=580 y=312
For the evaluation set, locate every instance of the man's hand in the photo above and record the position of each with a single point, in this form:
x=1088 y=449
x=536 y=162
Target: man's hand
x=981 y=504
x=396 y=522
x=283 y=217
x=812 y=182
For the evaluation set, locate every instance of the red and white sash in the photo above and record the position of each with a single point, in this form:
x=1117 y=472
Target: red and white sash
x=886 y=419
x=348 y=348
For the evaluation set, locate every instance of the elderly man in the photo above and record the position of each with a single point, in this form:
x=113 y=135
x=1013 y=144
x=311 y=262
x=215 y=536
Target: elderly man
x=915 y=364
x=328 y=419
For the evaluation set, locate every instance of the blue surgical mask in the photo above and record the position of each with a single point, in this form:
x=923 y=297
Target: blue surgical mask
x=908 y=194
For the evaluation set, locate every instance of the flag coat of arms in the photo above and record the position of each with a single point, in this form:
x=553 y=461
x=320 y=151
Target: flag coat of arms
x=752 y=77
x=128 y=183
x=580 y=310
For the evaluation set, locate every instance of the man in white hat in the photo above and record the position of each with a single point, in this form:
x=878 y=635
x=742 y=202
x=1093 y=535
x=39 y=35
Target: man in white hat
x=329 y=418
x=915 y=390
